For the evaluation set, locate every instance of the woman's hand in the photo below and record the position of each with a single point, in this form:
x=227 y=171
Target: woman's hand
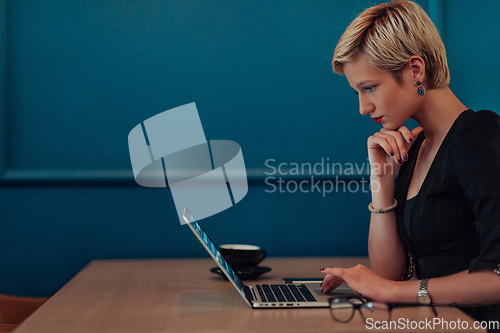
x=361 y=280
x=387 y=150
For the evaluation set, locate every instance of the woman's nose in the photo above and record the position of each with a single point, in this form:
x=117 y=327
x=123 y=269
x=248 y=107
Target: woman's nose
x=365 y=106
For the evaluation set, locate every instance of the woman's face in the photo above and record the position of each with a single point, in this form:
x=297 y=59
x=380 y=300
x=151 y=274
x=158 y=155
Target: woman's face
x=380 y=96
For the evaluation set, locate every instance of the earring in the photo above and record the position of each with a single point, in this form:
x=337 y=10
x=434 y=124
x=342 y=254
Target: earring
x=420 y=89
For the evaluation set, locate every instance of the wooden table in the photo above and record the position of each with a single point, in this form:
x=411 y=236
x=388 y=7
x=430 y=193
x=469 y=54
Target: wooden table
x=182 y=295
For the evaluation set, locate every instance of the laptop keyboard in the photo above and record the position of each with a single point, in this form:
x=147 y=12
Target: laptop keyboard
x=284 y=293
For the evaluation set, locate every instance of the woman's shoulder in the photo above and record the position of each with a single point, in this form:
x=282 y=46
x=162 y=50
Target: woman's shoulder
x=476 y=132
x=478 y=121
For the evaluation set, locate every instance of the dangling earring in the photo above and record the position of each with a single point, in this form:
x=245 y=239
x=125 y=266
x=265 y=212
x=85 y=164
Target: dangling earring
x=420 y=89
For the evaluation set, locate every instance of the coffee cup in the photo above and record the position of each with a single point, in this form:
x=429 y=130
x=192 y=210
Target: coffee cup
x=242 y=255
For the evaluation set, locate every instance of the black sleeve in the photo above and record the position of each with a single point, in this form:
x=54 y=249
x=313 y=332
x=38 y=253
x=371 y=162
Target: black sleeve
x=476 y=159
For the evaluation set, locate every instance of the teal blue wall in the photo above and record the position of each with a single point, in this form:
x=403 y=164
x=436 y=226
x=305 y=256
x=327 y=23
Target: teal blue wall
x=76 y=76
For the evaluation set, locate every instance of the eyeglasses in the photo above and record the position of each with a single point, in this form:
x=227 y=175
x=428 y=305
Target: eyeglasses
x=343 y=309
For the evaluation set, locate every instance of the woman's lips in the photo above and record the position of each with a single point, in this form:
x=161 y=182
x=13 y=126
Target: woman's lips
x=377 y=119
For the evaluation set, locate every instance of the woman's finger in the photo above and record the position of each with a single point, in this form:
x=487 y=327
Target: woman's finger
x=416 y=131
x=404 y=139
x=327 y=280
x=408 y=136
x=337 y=283
x=332 y=279
x=388 y=143
x=402 y=148
x=376 y=141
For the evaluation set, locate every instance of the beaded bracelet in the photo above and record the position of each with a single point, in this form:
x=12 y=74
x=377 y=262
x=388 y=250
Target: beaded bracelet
x=383 y=210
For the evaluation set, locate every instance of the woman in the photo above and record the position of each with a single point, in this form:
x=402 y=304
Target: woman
x=442 y=211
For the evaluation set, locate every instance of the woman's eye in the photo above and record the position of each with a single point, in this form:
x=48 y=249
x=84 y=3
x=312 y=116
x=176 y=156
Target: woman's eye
x=369 y=88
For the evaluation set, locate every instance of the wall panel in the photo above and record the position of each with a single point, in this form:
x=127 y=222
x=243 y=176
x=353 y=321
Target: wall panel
x=76 y=76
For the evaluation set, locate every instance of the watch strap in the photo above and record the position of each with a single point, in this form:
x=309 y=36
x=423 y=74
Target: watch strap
x=423 y=296
x=423 y=285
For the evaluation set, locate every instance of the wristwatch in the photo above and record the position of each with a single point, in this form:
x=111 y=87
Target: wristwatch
x=423 y=296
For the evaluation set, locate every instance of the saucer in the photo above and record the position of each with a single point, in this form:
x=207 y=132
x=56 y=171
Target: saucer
x=244 y=273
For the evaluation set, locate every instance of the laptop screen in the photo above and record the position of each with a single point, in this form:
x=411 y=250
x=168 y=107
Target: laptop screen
x=212 y=250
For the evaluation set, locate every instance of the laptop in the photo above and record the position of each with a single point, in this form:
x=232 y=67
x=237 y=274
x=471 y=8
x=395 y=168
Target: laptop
x=265 y=296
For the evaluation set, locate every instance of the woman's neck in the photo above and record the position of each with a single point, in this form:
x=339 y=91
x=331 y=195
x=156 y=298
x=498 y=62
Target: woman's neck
x=438 y=113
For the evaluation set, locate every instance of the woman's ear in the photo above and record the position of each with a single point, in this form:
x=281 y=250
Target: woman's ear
x=417 y=66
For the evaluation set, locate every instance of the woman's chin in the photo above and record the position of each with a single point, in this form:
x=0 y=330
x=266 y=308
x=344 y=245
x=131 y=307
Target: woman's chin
x=390 y=126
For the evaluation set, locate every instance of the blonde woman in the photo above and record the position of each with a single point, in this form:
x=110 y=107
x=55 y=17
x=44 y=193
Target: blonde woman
x=441 y=214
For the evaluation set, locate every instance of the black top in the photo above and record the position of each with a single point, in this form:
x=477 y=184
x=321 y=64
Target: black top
x=407 y=215
x=455 y=218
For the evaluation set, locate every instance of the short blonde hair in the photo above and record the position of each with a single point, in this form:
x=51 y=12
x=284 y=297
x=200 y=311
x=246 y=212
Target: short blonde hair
x=389 y=34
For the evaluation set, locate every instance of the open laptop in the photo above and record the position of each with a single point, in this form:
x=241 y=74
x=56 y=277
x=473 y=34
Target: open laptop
x=267 y=295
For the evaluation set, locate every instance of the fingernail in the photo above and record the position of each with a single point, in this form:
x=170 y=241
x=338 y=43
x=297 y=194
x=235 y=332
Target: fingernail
x=405 y=157
x=322 y=290
x=411 y=140
x=321 y=269
x=392 y=153
x=321 y=284
x=399 y=161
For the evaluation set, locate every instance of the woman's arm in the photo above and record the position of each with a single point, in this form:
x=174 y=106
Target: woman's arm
x=387 y=150
x=387 y=253
x=479 y=288
x=463 y=288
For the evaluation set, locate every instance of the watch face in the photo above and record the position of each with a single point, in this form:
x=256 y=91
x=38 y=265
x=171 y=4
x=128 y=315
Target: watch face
x=424 y=298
